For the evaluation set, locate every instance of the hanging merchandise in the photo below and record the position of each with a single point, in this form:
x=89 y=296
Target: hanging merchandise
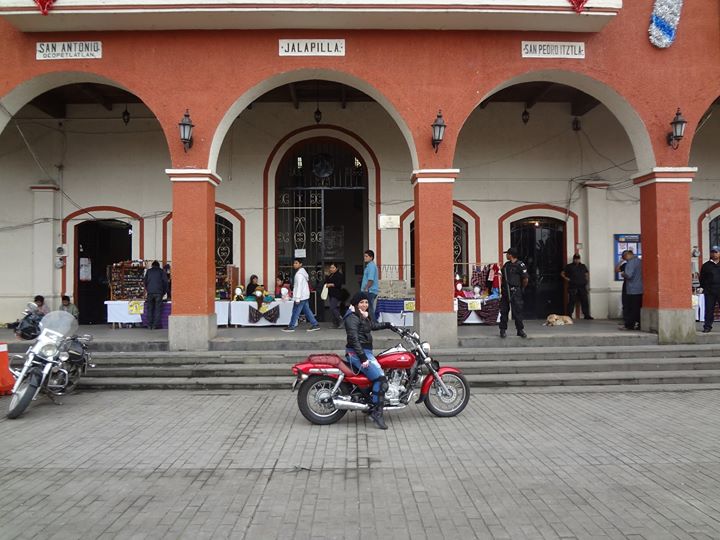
x=44 y=5
x=578 y=5
x=664 y=22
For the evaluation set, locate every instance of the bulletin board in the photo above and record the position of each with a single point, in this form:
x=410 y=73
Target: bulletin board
x=623 y=242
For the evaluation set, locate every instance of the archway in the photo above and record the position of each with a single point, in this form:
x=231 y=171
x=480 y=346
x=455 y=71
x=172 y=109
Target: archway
x=321 y=201
x=540 y=242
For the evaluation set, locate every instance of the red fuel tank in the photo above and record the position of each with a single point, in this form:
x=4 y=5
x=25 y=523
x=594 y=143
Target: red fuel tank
x=396 y=359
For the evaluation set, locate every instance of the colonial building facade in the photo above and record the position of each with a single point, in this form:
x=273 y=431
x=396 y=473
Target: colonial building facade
x=312 y=135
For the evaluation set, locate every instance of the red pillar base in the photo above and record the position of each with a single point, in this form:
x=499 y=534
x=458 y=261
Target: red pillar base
x=435 y=317
x=665 y=227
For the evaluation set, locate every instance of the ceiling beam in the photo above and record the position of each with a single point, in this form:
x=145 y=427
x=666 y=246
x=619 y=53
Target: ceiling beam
x=582 y=104
x=541 y=93
x=293 y=95
x=52 y=107
x=92 y=91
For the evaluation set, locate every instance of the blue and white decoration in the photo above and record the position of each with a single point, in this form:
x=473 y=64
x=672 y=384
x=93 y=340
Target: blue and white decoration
x=664 y=22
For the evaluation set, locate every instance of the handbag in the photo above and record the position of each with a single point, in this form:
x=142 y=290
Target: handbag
x=324 y=293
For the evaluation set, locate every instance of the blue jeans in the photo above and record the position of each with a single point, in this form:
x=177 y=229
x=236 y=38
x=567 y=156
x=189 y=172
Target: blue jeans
x=303 y=306
x=373 y=372
x=372 y=300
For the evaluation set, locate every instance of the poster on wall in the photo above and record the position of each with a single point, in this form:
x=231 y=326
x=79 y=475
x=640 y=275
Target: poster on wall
x=624 y=242
x=85 y=269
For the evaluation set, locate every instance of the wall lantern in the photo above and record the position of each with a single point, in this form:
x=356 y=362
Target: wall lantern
x=525 y=117
x=186 y=128
x=678 y=130
x=438 y=130
x=126 y=116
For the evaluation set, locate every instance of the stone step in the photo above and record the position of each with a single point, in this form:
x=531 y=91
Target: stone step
x=468 y=367
x=444 y=355
x=682 y=377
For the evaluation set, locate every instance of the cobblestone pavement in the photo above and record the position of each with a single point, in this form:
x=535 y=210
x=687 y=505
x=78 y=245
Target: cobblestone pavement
x=245 y=464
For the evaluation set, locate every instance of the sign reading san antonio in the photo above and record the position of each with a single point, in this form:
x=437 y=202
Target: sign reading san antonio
x=553 y=49
x=67 y=50
x=312 y=47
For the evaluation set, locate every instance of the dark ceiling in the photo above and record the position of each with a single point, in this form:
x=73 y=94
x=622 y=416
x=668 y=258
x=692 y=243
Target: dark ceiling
x=55 y=102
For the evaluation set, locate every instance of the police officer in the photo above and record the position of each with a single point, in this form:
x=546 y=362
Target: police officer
x=514 y=280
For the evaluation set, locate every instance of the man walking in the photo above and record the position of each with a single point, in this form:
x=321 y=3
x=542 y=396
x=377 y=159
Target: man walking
x=156 y=285
x=634 y=290
x=301 y=297
x=514 y=279
x=369 y=283
x=576 y=274
x=710 y=283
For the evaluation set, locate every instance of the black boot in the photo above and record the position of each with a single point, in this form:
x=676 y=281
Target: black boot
x=377 y=416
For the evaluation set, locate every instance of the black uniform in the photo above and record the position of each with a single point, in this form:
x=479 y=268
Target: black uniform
x=577 y=288
x=513 y=275
x=710 y=282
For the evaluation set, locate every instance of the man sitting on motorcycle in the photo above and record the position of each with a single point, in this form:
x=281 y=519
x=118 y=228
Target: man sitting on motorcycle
x=358 y=326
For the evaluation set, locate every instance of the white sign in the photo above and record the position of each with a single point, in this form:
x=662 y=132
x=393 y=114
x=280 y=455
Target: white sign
x=386 y=221
x=553 y=49
x=300 y=253
x=312 y=47
x=67 y=50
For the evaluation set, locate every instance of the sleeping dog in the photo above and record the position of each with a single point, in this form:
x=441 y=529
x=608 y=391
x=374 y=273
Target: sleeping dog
x=557 y=320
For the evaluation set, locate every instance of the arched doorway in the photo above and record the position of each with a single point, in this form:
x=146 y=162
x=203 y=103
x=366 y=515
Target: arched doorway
x=321 y=209
x=714 y=232
x=461 y=266
x=99 y=243
x=540 y=242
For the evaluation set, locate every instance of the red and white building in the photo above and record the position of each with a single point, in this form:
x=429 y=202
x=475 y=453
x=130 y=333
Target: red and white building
x=557 y=112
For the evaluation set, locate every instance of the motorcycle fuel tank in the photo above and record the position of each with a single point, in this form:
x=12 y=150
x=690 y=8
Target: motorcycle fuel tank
x=396 y=360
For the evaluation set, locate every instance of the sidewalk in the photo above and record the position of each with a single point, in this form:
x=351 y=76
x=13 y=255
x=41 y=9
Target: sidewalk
x=245 y=464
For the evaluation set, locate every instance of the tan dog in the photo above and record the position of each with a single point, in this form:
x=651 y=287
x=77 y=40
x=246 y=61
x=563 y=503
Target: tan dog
x=557 y=320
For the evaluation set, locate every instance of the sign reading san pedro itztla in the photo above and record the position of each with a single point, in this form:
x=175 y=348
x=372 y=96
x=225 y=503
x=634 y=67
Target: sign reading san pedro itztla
x=67 y=50
x=311 y=47
x=553 y=49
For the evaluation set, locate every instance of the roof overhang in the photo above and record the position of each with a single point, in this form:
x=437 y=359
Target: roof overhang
x=110 y=15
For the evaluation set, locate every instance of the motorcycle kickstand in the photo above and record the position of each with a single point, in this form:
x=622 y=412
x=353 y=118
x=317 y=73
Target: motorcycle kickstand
x=54 y=399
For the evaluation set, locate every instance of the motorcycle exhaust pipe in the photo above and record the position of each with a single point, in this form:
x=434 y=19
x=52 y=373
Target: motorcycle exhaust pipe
x=349 y=405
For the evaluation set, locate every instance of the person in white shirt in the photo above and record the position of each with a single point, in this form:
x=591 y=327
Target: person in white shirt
x=301 y=297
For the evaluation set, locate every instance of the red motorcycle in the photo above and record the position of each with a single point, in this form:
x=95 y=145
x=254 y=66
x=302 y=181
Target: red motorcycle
x=329 y=387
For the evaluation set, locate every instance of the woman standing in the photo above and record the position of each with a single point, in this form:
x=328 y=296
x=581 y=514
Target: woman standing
x=334 y=282
x=358 y=350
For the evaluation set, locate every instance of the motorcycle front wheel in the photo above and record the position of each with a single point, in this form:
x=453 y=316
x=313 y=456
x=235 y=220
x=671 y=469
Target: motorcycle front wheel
x=315 y=400
x=22 y=398
x=452 y=403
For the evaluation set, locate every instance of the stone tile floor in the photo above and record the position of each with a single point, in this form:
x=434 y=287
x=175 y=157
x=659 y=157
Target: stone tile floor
x=245 y=464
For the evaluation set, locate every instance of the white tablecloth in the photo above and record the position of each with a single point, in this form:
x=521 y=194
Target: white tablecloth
x=240 y=311
x=398 y=319
x=117 y=312
x=699 y=304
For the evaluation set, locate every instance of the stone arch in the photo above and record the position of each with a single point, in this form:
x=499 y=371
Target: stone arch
x=618 y=105
x=540 y=209
x=299 y=75
x=26 y=91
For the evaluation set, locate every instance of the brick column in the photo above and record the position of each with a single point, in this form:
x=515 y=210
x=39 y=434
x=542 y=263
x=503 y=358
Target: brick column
x=435 y=318
x=665 y=228
x=44 y=242
x=193 y=321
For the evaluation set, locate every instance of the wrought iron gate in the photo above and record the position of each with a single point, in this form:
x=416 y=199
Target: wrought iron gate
x=308 y=173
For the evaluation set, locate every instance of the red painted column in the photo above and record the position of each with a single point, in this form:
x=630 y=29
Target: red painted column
x=193 y=321
x=665 y=228
x=434 y=280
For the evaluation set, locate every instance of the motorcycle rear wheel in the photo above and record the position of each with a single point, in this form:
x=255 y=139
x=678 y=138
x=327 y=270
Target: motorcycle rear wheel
x=448 y=405
x=22 y=398
x=312 y=400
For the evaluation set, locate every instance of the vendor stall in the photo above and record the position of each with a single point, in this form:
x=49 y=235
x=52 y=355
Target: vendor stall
x=398 y=312
x=478 y=310
x=698 y=302
x=275 y=313
x=133 y=312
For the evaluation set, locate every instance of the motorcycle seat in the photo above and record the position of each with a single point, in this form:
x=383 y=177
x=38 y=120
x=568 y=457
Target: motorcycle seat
x=332 y=360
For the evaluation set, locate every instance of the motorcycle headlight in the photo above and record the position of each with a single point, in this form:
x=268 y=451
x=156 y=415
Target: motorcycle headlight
x=64 y=357
x=425 y=347
x=49 y=350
